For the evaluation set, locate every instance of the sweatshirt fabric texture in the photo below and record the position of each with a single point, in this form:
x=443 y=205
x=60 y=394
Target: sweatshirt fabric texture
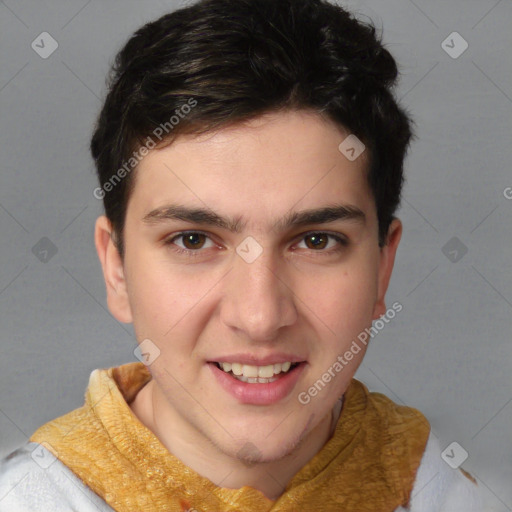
x=381 y=457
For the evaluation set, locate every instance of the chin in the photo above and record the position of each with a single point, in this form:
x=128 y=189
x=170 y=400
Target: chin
x=267 y=448
x=250 y=455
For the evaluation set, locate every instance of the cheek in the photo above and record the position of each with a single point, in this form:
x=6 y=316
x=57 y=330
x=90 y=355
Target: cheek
x=341 y=302
x=169 y=302
x=159 y=295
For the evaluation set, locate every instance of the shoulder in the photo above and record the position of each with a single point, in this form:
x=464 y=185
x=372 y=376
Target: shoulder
x=32 y=479
x=436 y=485
x=394 y=419
x=441 y=488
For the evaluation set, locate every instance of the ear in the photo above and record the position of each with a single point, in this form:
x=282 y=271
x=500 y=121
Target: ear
x=386 y=263
x=113 y=271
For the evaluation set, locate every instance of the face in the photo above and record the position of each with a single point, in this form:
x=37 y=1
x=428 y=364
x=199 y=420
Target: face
x=253 y=246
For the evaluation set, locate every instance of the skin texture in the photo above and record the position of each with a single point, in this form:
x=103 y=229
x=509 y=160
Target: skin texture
x=298 y=297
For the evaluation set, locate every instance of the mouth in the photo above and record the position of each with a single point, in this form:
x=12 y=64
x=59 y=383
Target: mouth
x=257 y=374
x=257 y=385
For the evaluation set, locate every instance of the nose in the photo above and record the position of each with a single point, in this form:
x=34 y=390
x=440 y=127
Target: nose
x=258 y=298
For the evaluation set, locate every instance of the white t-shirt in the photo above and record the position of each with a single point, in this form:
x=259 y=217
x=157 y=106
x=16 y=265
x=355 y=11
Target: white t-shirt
x=27 y=486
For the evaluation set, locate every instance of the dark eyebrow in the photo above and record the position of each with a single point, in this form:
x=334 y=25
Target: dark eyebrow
x=321 y=216
x=236 y=225
x=193 y=215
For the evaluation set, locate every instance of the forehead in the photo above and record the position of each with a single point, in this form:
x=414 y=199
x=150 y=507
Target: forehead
x=269 y=165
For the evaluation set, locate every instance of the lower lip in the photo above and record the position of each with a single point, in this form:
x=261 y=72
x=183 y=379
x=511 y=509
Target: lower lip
x=258 y=393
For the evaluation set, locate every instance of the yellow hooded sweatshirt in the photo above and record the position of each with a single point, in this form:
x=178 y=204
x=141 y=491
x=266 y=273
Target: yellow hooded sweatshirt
x=368 y=465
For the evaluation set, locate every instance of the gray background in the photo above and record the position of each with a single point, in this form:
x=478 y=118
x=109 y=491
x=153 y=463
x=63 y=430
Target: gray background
x=448 y=353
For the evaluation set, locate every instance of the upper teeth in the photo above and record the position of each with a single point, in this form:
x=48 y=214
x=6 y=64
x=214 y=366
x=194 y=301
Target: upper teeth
x=247 y=370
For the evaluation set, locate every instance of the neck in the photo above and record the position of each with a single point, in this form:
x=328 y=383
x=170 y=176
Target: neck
x=224 y=470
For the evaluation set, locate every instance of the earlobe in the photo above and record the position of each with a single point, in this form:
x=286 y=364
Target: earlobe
x=386 y=263
x=113 y=271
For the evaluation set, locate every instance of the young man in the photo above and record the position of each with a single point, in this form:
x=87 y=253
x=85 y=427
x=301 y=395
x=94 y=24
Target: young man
x=250 y=157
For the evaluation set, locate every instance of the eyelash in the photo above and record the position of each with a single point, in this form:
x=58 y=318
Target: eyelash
x=343 y=243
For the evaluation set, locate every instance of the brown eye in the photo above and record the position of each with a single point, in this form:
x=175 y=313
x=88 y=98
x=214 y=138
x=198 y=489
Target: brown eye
x=317 y=241
x=324 y=243
x=193 y=240
x=190 y=244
